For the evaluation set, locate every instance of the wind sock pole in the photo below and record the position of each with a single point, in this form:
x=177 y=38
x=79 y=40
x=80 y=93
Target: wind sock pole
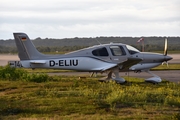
x=142 y=43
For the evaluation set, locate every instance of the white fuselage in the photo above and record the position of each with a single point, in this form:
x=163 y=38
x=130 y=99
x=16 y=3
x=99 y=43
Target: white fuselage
x=75 y=63
x=80 y=63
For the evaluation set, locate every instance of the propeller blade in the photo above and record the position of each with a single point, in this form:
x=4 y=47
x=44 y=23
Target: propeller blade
x=165 y=47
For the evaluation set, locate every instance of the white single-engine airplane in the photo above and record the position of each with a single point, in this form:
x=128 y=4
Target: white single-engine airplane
x=112 y=58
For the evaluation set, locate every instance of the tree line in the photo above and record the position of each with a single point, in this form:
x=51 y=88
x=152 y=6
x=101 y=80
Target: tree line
x=71 y=44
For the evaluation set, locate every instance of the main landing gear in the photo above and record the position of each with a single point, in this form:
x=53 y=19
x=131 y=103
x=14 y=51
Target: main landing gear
x=116 y=76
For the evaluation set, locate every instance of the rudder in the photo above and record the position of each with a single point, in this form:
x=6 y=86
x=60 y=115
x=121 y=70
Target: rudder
x=26 y=49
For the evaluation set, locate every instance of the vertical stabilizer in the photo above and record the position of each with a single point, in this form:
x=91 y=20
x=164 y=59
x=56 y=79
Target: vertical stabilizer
x=26 y=49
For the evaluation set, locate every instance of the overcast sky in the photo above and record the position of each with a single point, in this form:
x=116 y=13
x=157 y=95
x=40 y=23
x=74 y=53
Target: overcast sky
x=89 y=18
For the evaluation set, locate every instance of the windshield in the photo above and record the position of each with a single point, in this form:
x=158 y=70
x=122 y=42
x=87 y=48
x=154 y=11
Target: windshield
x=132 y=50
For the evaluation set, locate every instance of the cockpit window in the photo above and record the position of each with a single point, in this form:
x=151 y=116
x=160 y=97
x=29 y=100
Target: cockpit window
x=132 y=50
x=100 y=52
x=117 y=50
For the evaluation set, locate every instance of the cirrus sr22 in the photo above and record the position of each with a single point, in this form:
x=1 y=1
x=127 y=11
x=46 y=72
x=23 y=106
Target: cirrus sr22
x=111 y=58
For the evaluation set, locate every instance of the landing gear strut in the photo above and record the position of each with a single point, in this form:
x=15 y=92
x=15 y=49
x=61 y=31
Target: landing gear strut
x=116 y=78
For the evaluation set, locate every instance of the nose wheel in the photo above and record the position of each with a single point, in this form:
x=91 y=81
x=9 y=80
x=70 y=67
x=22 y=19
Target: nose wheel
x=154 y=79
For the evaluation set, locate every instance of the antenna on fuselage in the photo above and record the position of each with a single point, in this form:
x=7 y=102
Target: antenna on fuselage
x=98 y=41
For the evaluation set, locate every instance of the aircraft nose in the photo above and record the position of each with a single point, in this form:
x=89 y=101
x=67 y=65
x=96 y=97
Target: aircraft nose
x=167 y=58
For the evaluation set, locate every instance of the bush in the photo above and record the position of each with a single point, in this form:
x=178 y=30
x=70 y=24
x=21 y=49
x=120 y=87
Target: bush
x=39 y=77
x=11 y=73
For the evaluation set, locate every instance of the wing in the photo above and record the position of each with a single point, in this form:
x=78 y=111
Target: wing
x=129 y=62
x=111 y=66
x=125 y=65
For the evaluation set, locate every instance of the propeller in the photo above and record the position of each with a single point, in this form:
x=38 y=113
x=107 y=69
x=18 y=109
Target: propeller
x=165 y=52
x=165 y=47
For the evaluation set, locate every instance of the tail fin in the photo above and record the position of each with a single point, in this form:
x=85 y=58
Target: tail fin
x=26 y=49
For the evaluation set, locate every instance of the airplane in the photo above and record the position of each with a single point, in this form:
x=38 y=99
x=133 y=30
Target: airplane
x=111 y=58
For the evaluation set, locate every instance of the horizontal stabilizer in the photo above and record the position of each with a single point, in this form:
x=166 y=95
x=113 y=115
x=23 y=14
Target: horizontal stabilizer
x=37 y=61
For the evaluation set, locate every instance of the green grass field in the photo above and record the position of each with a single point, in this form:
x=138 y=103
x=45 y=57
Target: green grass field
x=169 y=67
x=28 y=96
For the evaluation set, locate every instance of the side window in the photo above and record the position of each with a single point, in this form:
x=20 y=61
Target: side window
x=117 y=50
x=100 y=52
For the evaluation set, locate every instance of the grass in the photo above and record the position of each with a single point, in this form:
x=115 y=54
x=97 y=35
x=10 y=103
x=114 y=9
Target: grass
x=39 y=70
x=169 y=67
x=67 y=97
